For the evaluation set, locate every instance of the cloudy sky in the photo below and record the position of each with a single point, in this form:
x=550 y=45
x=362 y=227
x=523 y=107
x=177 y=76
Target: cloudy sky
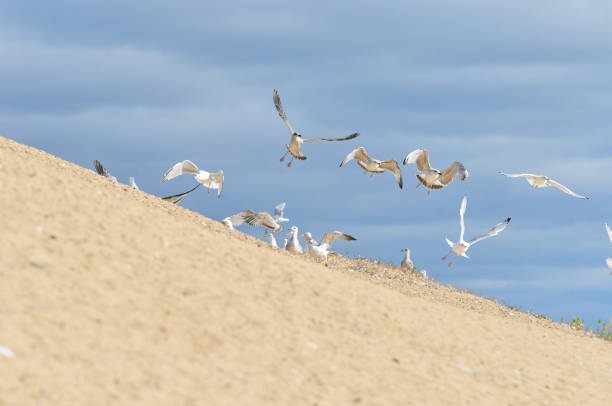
x=518 y=86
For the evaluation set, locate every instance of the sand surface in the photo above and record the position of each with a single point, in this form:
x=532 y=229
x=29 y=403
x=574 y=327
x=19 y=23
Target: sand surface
x=112 y=296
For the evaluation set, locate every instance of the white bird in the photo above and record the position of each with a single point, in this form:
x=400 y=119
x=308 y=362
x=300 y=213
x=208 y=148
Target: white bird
x=227 y=222
x=133 y=183
x=102 y=171
x=538 y=181
x=406 y=262
x=374 y=165
x=271 y=239
x=294 y=244
x=278 y=213
x=461 y=247
x=285 y=241
x=263 y=218
x=296 y=142
x=210 y=180
x=609 y=260
x=430 y=177
x=322 y=250
x=177 y=199
x=309 y=241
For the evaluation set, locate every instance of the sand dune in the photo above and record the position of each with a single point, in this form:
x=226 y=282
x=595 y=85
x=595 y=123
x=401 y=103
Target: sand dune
x=109 y=295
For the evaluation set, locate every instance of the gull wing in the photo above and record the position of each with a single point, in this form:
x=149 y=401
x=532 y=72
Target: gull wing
x=219 y=179
x=392 y=166
x=180 y=168
x=102 y=171
x=461 y=214
x=177 y=199
x=329 y=238
x=420 y=157
x=350 y=137
x=609 y=232
x=257 y=219
x=281 y=111
x=498 y=228
x=133 y=183
x=519 y=175
x=278 y=210
x=456 y=170
x=565 y=189
x=609 y=262
x=239 y=218
x=359 y=154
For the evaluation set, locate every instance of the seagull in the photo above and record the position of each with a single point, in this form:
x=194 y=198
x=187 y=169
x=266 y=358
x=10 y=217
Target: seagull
x=271 y=239
x=309 y=241
x=321 y=250
x=296 y=142
x=538 y=181
x=374 y=165
x=406 y=262
x=609 y=260
x=294 y=244
x=278 y=213
x=263 y=218
x=432 y=178
x=227 y=222
x=133 y=183
x=102 y=171
x=210 y=180
x=461 y=247
x=177 y=199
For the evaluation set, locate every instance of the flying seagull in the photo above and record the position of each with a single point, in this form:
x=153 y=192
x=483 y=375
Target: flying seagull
x=461 y=247
x=210 y=180
x=538 y=181
x=609 y=260
x=296 y=142
x=177 y=199
x=374 y=165
x=263 y=218
x=133 y=183
x=102 y=171
x=278 y=213
x=321 y=250
x=294 y=244
x=430 y=177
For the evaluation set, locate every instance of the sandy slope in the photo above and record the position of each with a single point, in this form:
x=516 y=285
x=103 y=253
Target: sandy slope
x=111 y=296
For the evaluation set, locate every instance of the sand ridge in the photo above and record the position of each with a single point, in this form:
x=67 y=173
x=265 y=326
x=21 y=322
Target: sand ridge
x=109 y=295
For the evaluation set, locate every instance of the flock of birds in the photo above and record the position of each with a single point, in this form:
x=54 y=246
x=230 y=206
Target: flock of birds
x=430 y=178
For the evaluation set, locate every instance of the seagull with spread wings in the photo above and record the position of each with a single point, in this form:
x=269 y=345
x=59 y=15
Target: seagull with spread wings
x=279 y=212
x=263 y=218
x=609 y=260
x=321 y=250
x=433 y=178
x=374 y=165
x=460 y=247
x=102 y=171
x=538 y=181
x=210 y=180
x=296 y=142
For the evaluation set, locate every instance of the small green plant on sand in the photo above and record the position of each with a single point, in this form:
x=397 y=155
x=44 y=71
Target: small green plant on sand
x=577 y=323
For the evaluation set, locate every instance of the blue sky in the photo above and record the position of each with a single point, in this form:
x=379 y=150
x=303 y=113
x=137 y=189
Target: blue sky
x=515 y=86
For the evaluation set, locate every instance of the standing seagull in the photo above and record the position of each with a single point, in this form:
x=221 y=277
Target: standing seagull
x=374 y=165
x=321 y=250
x=432 y=178
x=263 y=218
x=294 y=244
x=538 y=181
x=210 y=180
x=296 y=139
x=609 y=260
x=278 y=213
x=271 y=239
x=102 y=171
x=133 y=183
x=461 y=247
x=406 y=262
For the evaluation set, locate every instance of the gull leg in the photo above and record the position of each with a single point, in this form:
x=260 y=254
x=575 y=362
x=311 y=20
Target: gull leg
x=289 y=163
x=209 y=190
x=371 y=175
x=283 y=157
x=428 y=192
x=364 y=172
x=446 y=256
x=450 y=264
x=418 y=184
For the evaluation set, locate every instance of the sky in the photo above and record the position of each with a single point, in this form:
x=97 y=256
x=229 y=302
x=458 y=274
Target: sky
x=518 y=86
